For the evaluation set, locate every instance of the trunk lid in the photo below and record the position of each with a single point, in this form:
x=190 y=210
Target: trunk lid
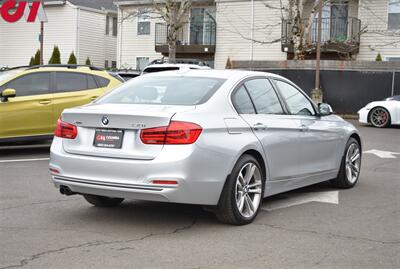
x=129 y=119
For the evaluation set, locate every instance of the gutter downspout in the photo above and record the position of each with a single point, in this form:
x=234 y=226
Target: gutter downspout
x=77 y=35
x=252 y=35
x=119 y=48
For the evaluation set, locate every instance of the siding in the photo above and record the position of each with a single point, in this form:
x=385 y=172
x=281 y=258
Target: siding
x=132 y=45
x=234 y=27
x=92 y=40
x=19 y=41
x=374 y=15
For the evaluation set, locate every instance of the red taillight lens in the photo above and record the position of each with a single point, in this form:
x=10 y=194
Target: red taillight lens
x=177 y=133
x=65 y=130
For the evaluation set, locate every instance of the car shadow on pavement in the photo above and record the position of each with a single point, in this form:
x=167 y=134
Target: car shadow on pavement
x=156 y=215
x=133 y=213
x=25 y=149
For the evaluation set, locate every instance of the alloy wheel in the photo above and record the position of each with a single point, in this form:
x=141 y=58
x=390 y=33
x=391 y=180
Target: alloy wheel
x=379 y=117
x=248 y=190
x=353 y=162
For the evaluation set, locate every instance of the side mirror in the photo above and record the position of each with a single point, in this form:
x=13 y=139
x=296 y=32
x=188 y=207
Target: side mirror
x=7 y=93
x=324 y=109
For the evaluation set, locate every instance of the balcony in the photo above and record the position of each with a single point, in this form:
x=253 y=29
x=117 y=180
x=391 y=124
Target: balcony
x=338 y=36
x=195 y=40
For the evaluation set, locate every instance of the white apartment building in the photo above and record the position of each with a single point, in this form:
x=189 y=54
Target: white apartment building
x=87 y=28
x=254 y=30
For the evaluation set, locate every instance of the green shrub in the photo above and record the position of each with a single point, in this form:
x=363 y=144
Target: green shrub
x=378 y=58
x=88 y=61
x=32 y=61
x=72 y=58
x=55 y=56
x=36 y=58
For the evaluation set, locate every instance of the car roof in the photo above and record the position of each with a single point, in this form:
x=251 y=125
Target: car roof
x=215 y=73
x=15 y=72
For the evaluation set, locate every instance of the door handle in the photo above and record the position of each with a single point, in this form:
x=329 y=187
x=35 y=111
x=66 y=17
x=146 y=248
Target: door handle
x=304 y=128
x=44 y=101
x=260 y=126
x=93 y=98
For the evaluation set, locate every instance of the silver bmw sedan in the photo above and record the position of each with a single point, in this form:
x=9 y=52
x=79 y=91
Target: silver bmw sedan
x=224 y=139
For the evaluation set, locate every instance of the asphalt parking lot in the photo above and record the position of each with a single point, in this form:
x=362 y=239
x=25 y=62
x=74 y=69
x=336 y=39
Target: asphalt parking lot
x=315 y=227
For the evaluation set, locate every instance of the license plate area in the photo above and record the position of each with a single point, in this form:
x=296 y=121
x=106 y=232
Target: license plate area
x=108 y=138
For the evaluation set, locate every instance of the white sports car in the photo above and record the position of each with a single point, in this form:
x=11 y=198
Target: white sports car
x=381 y=113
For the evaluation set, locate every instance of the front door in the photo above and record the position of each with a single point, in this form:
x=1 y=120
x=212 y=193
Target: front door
x=319 y=138
x=259 y=105
x=30 y=112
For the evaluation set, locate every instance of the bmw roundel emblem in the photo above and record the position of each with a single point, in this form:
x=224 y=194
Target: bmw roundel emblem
x=105 y=120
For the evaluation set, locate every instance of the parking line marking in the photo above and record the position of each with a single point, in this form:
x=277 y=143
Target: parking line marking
x=294 y=199
x=24 y=160
x=383 y=154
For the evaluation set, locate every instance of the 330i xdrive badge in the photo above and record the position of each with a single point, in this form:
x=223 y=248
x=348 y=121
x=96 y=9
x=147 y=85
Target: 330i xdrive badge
x=224 y=139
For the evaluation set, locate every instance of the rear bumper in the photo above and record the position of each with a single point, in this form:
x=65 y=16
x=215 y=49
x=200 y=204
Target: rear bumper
x=200 y=175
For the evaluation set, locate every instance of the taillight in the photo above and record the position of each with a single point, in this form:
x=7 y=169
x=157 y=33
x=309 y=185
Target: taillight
x=65 y=130
x=177 y=133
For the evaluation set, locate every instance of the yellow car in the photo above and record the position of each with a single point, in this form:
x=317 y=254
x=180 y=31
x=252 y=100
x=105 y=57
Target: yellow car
x=32 y=99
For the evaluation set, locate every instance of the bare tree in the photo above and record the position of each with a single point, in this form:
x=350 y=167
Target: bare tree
x=175 y=14
x=300 y=17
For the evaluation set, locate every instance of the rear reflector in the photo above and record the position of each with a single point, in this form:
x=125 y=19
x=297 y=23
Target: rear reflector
x=165 y=182
x=65 y=130
x=54 y=170
x=177 y=133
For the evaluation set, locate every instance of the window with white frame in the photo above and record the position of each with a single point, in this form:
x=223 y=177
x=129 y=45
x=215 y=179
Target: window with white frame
x=141 y=63
x=143 y=24
x=394 y=15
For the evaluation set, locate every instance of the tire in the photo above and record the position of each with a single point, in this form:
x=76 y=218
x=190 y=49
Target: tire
x=349 y=170
x=234 y=195
x=379 y=117
x=102 y=201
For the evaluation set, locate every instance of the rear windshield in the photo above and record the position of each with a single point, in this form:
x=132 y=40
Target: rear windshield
x=164 y=91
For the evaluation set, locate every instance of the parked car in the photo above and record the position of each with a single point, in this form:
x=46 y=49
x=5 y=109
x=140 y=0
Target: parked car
x=224 y=139
x=171 y=67
x=128 y=74
x=32 y=99
x=164 y=60
x=381 y=113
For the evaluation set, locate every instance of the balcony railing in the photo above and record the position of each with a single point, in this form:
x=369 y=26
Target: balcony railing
x=337 y=34
x=193 y=33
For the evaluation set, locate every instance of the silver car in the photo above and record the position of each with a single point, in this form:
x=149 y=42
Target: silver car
x=223 y=139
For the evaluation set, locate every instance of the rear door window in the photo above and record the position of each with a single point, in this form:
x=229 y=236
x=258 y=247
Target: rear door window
x=91 y=82
x=31 y=84
x=242 y=102
x=70 y=82
x=102 y=82
x=264 y=96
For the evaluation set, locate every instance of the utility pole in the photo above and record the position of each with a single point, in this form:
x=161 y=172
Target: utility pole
x=318 y=62
x=316 y=93
x=41 y=36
